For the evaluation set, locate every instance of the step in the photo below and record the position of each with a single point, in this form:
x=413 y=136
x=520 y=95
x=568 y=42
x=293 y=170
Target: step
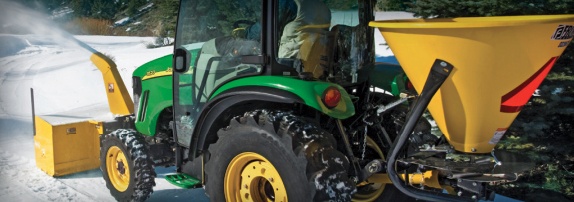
x=183 y=180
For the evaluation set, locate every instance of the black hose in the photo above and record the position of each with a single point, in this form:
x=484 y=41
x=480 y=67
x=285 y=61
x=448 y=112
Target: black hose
x=439 y=72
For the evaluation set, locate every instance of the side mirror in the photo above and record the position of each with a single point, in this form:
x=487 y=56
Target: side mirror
x=181 y=59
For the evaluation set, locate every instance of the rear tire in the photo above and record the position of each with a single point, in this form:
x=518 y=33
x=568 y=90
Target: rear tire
x=370 y=191
x=126 y=165
x=252 y=161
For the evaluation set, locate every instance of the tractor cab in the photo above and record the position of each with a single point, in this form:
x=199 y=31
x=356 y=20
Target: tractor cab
x=221 y=41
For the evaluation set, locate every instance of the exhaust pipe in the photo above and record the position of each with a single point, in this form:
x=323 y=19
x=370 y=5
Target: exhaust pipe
x=439 y=73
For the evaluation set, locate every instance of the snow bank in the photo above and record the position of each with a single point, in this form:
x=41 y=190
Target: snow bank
x=65 y=82
x=11 y=45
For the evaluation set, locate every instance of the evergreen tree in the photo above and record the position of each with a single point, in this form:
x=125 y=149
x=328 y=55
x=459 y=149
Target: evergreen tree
x=134 y=5
x=81 y=8
x=103 y=9
x=475 y=8
x=165 y=17
x=230 y=12
x=393 y=5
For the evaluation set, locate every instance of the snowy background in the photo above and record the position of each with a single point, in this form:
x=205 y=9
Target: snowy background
x=64 y=80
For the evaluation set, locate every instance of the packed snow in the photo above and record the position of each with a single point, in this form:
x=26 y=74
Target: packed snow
x=64 y=80
x=122 y=21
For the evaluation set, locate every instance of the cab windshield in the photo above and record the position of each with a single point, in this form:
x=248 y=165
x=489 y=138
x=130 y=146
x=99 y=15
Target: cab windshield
x=322 y=38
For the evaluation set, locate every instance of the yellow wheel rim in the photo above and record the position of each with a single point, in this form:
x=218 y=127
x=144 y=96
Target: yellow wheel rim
x=251 y=177
x=117 y=168
x=378 y=188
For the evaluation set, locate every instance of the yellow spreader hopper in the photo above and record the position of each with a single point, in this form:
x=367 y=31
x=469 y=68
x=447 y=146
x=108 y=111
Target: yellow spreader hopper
x=498 y=63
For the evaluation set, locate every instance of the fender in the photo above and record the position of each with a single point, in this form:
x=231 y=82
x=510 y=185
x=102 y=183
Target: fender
x=264 y=89
x=309 y=91
x=215 y=109
x=153 y=84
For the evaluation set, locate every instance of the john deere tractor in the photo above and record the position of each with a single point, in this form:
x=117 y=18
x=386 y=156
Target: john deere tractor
x=266 y=100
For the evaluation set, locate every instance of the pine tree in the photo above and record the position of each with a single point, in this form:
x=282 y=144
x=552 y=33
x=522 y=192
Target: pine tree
x=393 y=5
x=103 y=9
x=134 y=5
x=81 y=8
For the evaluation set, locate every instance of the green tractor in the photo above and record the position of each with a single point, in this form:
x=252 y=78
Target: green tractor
x=283 y=101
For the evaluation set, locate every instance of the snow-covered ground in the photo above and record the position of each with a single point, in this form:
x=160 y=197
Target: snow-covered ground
x=64 y=80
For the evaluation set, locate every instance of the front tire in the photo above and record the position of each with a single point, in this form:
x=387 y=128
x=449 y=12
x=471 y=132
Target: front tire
x=126 y=165
x=252 y=161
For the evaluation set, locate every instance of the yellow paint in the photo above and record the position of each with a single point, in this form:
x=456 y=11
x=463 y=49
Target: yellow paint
x=313 y=26
x=66 y=148
x=449 y=189
x=491 y=57
x=118 y=168
x=98 y=125
x=377 y=188
x=154 y=74
x=118 y=97
x=246 y=177
x=428 y=178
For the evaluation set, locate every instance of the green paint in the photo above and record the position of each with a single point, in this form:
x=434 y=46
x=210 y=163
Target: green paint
x=157 y=65
x=386 y=76
x=159 y=97
x=183 y=180
x=389 y=77
x=160 y=92
x=309 y=91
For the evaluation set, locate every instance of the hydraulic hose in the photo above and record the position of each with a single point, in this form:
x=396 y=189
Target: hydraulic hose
x=439 y=72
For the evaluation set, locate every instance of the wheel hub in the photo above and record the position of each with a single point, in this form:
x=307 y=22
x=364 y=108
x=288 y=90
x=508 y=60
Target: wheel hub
x=121 y=167
x=251 y=177
x=370 y=191
x=117 y=169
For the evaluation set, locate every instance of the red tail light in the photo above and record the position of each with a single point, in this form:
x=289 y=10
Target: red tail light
x=331 y=97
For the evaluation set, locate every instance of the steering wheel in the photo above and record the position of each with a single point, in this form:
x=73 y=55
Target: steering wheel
x=245 y=22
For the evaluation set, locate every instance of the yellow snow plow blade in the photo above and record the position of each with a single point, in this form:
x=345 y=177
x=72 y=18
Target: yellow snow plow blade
x=64 y=145
x=499 y=62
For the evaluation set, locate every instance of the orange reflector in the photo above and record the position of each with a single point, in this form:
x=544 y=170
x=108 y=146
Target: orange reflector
x=513 y=101
x=331 y=97
x=410 y=85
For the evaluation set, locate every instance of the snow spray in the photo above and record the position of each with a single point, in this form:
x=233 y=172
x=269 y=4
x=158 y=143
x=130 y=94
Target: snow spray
x=18 y=19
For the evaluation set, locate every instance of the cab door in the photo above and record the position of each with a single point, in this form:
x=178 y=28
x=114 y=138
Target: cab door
x=213 y=39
